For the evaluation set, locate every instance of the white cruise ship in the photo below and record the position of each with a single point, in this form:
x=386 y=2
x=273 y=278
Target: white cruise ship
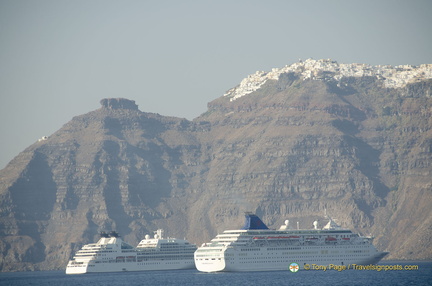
x=112 y=254
x=257 y=248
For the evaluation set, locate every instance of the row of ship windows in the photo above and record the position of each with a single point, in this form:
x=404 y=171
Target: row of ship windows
x=290 y=254
x=315 y=258
x=176 y=246
x=322 y=246
x=138 y=253
x=250 y=249
x=157 y=263
x=301 y=232
x=95 y=251
x=273 y=261
x=302 y=256
x=142 y=259
x=305 y=252
x=163 y=246
x=263 y=259
x=207 y=255
x=176 y=250
x=209 y=250
x=298 y=232
x=283 y=248
x=172 y=256
x=285 y=253
x=245 y=260
x=306 y=247
x=357 y=251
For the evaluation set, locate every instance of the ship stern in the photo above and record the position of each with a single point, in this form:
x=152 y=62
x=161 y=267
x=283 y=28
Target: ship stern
x=76 y=268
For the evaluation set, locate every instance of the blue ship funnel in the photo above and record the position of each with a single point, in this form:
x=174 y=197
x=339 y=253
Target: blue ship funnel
x=253 y=222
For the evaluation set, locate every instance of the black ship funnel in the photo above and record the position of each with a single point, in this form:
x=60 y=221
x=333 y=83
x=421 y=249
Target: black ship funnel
x=253 y=222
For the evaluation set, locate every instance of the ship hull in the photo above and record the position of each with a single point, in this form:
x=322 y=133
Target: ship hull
x=92 y=267
x=255 y=247
x=274 y=260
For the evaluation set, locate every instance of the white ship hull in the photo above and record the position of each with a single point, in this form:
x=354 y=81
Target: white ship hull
x=272 y=260
x=129 y=266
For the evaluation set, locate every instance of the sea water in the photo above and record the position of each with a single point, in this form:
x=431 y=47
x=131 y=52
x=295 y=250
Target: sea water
x=420 y=273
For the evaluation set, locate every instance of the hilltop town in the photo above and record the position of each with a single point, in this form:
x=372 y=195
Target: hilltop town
x=327 y=69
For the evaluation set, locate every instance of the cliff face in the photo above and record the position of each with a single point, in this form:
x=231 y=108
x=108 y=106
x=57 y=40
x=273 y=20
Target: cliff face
x=288 y=144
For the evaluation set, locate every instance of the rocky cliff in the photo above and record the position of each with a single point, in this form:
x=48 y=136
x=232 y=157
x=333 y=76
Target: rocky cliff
x=351 y=139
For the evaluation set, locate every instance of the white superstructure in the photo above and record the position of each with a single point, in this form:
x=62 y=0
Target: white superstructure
x=257 y=248
x=112 y=254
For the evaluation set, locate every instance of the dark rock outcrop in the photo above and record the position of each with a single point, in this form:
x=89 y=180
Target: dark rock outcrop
x=118 y=103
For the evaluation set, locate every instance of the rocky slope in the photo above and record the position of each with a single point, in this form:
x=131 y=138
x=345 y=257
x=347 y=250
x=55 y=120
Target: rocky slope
x=351 y=139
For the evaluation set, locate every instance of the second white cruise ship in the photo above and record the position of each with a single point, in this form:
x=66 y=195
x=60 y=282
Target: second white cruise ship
x=257 y=248
x=112 y=254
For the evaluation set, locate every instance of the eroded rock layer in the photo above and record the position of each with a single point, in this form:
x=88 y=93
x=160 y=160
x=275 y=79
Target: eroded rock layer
x=291 y=149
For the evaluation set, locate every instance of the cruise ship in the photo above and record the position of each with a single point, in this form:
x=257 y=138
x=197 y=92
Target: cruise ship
x=112 y=254
x=255 y=247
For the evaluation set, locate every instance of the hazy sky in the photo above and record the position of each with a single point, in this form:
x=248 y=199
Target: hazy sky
x=59 y=58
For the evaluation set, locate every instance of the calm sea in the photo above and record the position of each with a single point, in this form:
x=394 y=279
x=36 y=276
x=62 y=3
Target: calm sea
x=416 y=277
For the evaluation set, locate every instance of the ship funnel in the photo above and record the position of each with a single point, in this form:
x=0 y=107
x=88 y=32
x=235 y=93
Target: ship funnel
x=253 y=222
x=158 y=234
